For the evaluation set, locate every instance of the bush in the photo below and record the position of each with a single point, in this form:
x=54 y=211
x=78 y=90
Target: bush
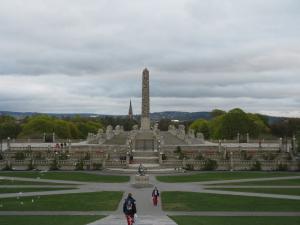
x=282 y=167
x=269 y=156
x=79 y=165
x=38 y=156
x=30 y=166
x=189 y=167
x=63 y=156
x=54 y=165
x=178 y=150
x=256 y=166
x=7 y=167
x=210 y=164
x=88 y=157
x=199 y=157
x=245 y=156
x=20 y=156
x=97 y=166
x=180 y=155
x=163 y=157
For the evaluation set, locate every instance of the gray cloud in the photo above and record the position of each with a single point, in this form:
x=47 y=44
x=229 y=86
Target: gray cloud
x=71 y=56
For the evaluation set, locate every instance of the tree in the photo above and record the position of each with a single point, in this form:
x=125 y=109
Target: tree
x=36 y=126
x=9 y=127
x=163 y=124
x=217 y=112
x=259 y=125
x=286 y=127
x=82 y=126
x=76 y=127
x=236 y=121
x=215 y=127
x=298 y=141
x=202 y=126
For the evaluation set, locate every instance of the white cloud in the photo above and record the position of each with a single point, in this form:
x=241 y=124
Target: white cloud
x=87 y=56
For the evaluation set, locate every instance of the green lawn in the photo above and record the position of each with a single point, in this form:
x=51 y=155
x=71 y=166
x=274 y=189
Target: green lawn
x=48 y=220
x=239 y=220
x=190 y=201
x=280 y=191
x=95 y=201
x=20 y=182
x=291 y=182
x=212 y=176
x=69 y=176
x=25 y=189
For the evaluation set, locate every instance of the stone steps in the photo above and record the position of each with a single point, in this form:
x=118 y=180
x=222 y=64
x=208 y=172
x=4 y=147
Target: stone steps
x=141 y=220
x=145 y=160
x=146 y=165
x=135 y=170
x=145 y=154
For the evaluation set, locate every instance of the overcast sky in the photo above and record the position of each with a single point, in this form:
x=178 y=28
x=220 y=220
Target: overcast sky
x=88 y=55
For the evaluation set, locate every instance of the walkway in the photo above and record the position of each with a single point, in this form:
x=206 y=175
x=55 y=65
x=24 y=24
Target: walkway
x=147 y=213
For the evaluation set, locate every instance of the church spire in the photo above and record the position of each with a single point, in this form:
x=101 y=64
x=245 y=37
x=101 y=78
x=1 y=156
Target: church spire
x=130 y=113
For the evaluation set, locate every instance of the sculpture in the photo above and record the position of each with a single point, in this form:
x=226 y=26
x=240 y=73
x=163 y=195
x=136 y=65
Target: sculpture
x=141 y=170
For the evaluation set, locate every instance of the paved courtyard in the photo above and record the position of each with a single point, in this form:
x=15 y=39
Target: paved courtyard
x=147 y=214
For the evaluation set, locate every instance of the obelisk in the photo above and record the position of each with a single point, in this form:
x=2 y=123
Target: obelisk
x=145 y=118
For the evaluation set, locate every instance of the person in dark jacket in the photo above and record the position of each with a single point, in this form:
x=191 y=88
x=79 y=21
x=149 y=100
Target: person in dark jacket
x=155 y=195
x=129 y=209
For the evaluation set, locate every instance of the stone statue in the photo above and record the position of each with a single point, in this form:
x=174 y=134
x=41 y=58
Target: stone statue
x=141 y=170
x=109 y=132
x=191 y=133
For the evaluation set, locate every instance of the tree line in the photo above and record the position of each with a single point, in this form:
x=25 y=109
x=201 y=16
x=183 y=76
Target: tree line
x=222 y=125
x=226 y=125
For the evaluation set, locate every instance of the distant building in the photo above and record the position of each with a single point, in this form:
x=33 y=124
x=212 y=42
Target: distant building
x=130 y=113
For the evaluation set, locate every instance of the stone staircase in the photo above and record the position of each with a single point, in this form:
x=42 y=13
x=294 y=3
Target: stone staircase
x=149 y=160
x=145 y=157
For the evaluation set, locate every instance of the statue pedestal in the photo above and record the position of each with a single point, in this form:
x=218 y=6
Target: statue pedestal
x=142 y=181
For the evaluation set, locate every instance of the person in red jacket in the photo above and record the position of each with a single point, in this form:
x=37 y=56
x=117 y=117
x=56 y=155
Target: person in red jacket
x=155 y=195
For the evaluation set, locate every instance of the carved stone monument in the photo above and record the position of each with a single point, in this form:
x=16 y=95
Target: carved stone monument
x=145 y=119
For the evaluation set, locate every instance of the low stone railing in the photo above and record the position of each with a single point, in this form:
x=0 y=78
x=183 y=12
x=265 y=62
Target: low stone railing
x=233 y=164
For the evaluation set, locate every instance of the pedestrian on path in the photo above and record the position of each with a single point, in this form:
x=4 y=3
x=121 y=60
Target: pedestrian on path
x=129 y=209
x=155 y=195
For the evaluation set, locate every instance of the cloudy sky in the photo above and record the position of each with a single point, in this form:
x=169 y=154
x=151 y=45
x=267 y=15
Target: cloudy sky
x=88 y=56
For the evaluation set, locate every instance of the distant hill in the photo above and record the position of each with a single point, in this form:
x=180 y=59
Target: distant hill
x=21 y=115
x=182 y=116
x=172 y=115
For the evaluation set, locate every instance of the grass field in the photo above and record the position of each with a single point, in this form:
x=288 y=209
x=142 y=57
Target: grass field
x=257 y=220
x=47 y=220
x=27 y=189
x=20 y=182
x=291 y=182
x=190 y=201
x=69 y=176
x=280 y=191
x=214 y=176
x=95 y=201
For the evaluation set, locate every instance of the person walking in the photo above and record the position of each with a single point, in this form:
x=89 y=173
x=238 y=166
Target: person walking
x=155 y=195
x=129 y=209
